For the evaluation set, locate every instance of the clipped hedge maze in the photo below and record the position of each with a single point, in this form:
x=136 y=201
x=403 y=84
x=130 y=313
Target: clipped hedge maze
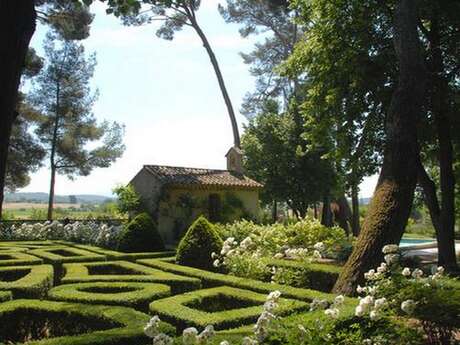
x=27 y=281
x=124 y=271
x=135 y=295
x=12 y=258
x=59 y=323
x=102 y=296
x=224 y=307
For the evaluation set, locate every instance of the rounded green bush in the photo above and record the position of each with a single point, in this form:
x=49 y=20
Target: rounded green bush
x=140 y=235
x=199 y=242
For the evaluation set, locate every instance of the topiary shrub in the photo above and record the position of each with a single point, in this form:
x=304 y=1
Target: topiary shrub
x=140 y=235
x=199 y=242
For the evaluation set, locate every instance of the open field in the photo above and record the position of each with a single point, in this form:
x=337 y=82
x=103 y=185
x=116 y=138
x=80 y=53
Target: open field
x=29 y=205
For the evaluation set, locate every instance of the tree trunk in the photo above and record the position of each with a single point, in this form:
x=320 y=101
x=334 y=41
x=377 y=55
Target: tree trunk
x=275 y=211
x=440 y=109
x=17 y=25
x=51 y=195
x=315 y=210
x=355 y=226
x=430 y=196
x=343 y=215
x=220 y=79
x=326 y=214
x=393 y=197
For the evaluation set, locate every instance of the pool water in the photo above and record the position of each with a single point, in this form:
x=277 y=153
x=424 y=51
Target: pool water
x=414 y=241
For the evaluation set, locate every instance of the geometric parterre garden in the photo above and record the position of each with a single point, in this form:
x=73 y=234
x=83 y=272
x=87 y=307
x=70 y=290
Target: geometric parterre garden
x=55 y=292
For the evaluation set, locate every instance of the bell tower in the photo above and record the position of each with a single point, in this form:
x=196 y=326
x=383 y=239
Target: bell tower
x=235 y=160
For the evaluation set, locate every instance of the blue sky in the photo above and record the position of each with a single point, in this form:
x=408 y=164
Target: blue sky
x=166 y=94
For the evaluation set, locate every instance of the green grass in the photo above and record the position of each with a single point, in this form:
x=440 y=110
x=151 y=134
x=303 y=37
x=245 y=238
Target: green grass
x=135 y=295
x=27 y=281
x=223 y=307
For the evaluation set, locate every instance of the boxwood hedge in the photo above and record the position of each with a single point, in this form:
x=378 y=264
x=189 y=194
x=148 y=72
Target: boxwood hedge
x=5 y=296
x=63 y=254
x=12 y=258
x=27 y=281
x=136 y=295
x=114 y=255
x=124 y=271
x=209 y=279
x=224 y=307
x=72 y=324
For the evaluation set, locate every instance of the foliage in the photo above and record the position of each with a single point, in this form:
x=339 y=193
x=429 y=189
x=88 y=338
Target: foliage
x=272 y=239
x=140 y=235
x=410 y=293
x=62 y=96
x=128 y=201
x=275 y=21
x=200 y=240
x=276 y=156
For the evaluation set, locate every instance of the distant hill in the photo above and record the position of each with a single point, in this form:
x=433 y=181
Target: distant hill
x=43 y=198
x=365 y=201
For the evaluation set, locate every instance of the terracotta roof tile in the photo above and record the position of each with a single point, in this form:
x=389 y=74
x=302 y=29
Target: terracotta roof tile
x=182 y=176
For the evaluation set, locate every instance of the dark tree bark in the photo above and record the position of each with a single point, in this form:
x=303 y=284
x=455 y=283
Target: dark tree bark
x=17 y=25
x=326 y=214
x=355 y=224
x=393 y=197
x=440 y=109
x=429 y=196
x=275 y=211
x=342 y=214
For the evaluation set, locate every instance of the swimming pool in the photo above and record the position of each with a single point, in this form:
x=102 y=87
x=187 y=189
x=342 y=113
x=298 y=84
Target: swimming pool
x=414 y=241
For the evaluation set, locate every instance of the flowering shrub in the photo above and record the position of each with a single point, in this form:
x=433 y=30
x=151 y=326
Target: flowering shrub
x=251 y=256
x=399 y=291
x=93 y=233
x=277 y=238
x=398 y=305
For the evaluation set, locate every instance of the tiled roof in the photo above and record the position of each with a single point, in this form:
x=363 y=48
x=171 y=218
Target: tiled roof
x=180 y=176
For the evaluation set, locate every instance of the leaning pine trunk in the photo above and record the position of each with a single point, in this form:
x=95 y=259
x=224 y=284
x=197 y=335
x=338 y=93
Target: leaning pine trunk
x=393 y=197
x=17 y=25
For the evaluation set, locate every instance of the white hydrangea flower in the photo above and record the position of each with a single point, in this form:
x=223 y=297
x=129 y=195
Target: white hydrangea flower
x=390 y=249
x=359 y=310
x=406 y=272
x=274 y=295
x=151 y=329
x=418 y=273
x=391 y=259
x=163 y=339
x=279 y=256
x=332 y=312
x=369 y=275
x=225 y=342
x=216 y=263
x=380 y=303
x=319 y=247
x=189 y=336
x=408 y=306
x=374 y=315
x=249 y=341
x=339 y=300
